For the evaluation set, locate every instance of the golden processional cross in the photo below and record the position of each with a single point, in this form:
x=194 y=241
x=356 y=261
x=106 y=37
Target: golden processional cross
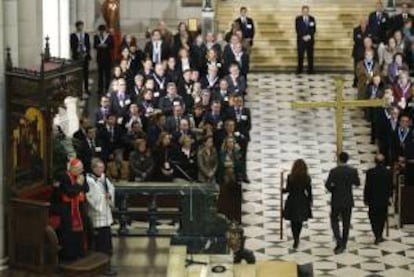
x=339 y=104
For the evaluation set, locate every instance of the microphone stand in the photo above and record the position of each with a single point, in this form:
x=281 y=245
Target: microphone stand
x=190 y=261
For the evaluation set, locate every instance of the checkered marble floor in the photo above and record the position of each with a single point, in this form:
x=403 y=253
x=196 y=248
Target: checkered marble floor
x=279 y=136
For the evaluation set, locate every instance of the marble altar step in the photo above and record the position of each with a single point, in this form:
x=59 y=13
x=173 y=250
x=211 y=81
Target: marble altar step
x=275 y=42
x=176 y=266
x=176 y=261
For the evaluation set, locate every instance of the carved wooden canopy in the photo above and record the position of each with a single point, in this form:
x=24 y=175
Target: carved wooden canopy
x=33 y=97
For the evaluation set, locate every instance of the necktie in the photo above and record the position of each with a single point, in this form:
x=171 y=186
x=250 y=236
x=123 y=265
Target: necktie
x=92 y=143
x=157 y=53
x=81 y=47
x=177 y=122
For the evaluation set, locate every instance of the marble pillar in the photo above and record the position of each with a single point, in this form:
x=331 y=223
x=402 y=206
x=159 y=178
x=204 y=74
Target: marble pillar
x=10 y=28
x=3 y=138
x=30 y=32
x=86 y=12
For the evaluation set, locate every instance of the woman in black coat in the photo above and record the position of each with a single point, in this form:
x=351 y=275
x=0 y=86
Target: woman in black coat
x=299 y=202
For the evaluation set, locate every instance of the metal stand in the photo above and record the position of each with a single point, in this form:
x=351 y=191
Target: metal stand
x=190 y=261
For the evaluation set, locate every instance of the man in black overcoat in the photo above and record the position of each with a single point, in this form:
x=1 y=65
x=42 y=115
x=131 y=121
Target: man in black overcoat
x=339 y=184
x=378 y=189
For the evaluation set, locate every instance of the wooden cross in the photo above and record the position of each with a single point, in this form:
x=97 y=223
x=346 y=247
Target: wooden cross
x=339 y=104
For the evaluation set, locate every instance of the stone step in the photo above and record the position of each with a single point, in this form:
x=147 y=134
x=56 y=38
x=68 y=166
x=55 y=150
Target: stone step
x=275 y=41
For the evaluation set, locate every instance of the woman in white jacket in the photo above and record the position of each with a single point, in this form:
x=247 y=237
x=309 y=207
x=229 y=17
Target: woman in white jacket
x=101 y=197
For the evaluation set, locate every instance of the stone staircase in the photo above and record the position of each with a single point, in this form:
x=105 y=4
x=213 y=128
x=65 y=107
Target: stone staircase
x=275 y=41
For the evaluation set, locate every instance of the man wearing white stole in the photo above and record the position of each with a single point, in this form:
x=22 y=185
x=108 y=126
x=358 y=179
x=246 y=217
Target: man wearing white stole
x=101 y=197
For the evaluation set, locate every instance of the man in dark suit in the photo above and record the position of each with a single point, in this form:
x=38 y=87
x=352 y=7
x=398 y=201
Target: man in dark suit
x=235 y=80
x=172 y=122
x=156 y=49
x=222 y=94
x=377 y=191
x=120 y=101
x=102 y=111
x=89 y=148
x=378 y=24
x=111 y=135
x=242 y=118
x=305 y=30
x=339 y=184
x=237 y=56
x=215 y=116
x=103 y=43
x=172 y=99
x=80 y=134
x=399 y=19
x=375 y=90
x=358 y=50
x=81 y=50
x=247 y=26
x=401 y=136
x=385 y=126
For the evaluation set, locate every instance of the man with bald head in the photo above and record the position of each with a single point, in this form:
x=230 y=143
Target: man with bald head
x=377 y=192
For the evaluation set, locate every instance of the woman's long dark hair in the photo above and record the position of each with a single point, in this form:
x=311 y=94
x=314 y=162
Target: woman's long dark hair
x=299 y=170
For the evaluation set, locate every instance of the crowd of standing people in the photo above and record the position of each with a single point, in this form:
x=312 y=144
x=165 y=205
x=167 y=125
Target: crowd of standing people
x=173 y=108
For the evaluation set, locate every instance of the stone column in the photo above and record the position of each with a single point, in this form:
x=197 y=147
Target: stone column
x=71 y=104
x=86 y=13
x=207 y=17
x=30 y=35
x=3 y=139
x=10 y=28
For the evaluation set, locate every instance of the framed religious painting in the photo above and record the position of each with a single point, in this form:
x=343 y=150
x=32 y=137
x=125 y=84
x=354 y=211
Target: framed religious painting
x=28 y=149
x=192 y=3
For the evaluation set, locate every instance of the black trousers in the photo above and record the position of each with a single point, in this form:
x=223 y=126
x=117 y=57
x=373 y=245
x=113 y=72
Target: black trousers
x=377 y=217
x=355 y=75
x=86 y=75
x=104 y=77
x=243 y=151
x=302 y=48
x=103 y=240
x=343 y=214
x=296 y=227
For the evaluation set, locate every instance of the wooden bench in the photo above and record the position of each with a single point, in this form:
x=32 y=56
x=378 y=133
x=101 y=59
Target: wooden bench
x=407 y=205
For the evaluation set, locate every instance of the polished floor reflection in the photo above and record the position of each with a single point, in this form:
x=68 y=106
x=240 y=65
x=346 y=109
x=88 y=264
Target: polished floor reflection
x=133 y=257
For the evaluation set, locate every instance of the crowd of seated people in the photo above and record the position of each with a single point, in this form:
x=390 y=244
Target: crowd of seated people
x=384 y=65
x=178 y=102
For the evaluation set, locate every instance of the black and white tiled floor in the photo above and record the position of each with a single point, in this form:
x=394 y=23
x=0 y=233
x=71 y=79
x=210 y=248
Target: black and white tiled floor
x=279 y=136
